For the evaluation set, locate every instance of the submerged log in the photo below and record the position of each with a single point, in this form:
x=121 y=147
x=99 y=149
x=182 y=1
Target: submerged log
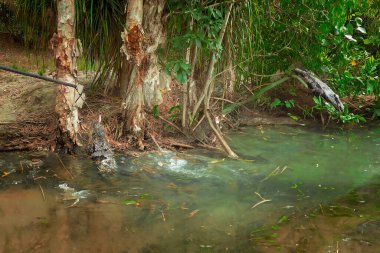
x=320 y=88
x=101 y=151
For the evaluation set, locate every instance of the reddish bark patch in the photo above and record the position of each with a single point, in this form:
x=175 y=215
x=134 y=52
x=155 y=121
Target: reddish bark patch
x=133 y=41
x=62 y=54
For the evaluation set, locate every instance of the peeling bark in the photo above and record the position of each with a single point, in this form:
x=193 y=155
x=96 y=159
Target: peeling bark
x=68 y=100
x=141 y=39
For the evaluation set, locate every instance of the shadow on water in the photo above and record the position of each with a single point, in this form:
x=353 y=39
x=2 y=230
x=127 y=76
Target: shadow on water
x=294 y=190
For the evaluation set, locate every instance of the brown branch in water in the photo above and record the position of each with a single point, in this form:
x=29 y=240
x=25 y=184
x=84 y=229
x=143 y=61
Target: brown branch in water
x=73 y=204
x=22 y=168
x=72 y=177
x=37 y=178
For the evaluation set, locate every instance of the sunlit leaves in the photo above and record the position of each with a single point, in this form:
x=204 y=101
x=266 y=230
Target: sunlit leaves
x=350 y=38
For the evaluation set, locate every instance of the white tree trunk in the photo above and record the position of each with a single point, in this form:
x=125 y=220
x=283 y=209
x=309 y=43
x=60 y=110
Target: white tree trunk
x=141 y=37
x=65 y=51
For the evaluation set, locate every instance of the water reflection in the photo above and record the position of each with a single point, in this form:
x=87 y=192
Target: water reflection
x=199 y=201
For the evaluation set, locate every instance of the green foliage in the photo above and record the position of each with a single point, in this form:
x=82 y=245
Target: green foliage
x=282 y=219
x=174 y=112
x=128 y=202
x=344 y=117
x=42 y=70
x=180 y=68
x=193 y=24
x=287 y=103
x=253 y=97
x=8 y=21
x=155 y=111
x=294 y=117
x=99 y=24
x=376 y=110
x=348 y=58
x=16 y=67
x=340 y=39
x=37 y=21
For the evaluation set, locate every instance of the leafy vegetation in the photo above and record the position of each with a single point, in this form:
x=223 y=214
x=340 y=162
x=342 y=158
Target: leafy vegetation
x=235 y=51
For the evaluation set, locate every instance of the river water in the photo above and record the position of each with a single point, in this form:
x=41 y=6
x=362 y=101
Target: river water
x=294 y=190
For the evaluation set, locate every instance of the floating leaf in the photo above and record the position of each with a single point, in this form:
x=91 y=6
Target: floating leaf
x=293 y=117
x=283 y=219
x=193 y=213
x=129 y=202
x=143 y=196
x=217 y=161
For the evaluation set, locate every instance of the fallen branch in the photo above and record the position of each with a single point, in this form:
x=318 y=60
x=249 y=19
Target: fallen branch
x=220 y=138
x=177 y=144
x=172 y=124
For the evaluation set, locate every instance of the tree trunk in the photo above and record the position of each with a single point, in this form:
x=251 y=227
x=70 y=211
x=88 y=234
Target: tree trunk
x=141 y=37
x=64 y=45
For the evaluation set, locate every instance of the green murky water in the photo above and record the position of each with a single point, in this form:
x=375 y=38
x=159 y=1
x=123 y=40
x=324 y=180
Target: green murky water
x=295 y=190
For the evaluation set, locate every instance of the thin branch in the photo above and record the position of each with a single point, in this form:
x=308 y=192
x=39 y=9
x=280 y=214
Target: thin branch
x=155 y=142
x=301 y=80
x=211 y=66
x=259 y=55
x=42 y=192
x=220 y=138
x=199 y=122
x=262 y=200
x=163 y=216
x=72 y=177
x=172 y=124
